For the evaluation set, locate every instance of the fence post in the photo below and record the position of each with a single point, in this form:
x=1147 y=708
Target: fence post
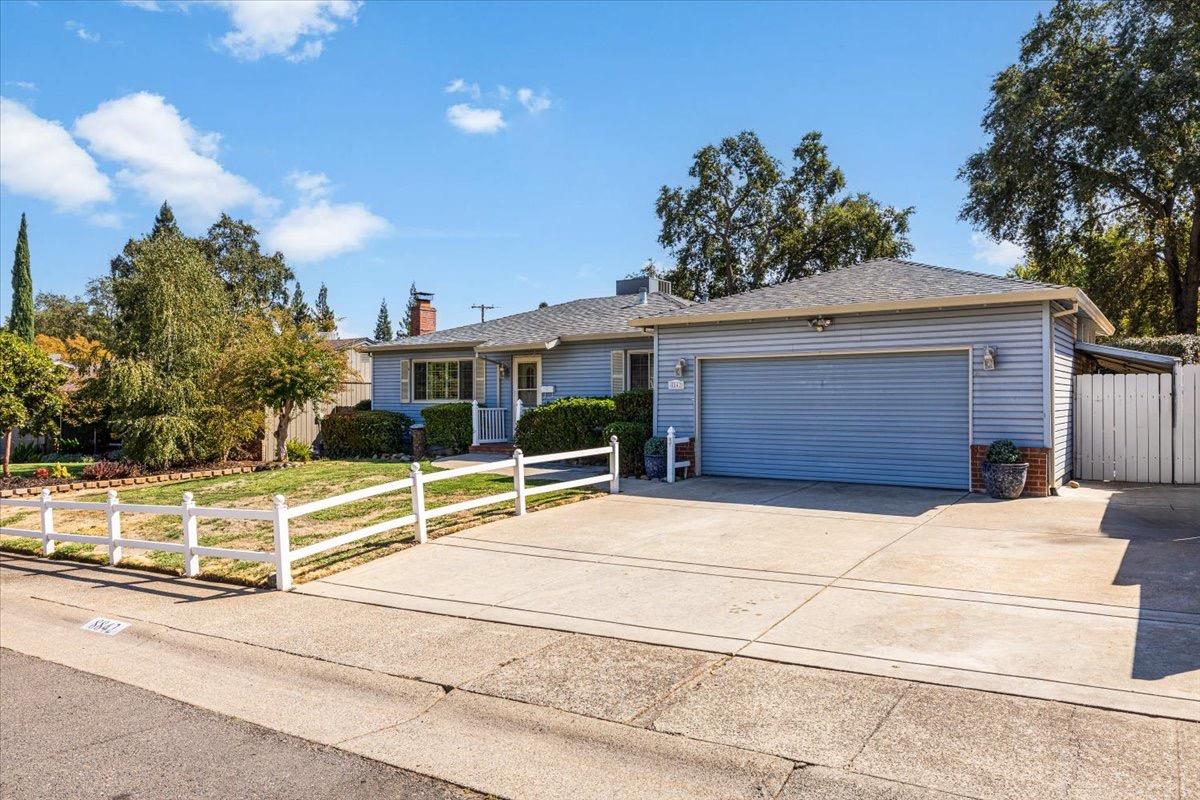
x=671 y=455
x=283 y=545
x=474 y=422
x=114 y=528
x=418 y=500
x=614 y=466
x=519 y=480
x=47 y=516
x=191 y=561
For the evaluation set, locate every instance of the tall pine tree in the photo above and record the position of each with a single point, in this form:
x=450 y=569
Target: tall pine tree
x=326 y=321
x=383 y=324
x=409 y=312
x=20 y=321
x=298 y=310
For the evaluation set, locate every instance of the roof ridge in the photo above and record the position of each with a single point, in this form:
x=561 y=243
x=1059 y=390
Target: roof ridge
x=973 y=273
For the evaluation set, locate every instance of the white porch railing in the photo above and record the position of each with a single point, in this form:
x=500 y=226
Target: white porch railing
x=488 y=424
x=282 y=555
x=672 y=462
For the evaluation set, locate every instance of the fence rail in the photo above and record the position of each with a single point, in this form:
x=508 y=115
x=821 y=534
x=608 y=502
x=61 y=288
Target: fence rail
x=673 y=463
x=282 y=555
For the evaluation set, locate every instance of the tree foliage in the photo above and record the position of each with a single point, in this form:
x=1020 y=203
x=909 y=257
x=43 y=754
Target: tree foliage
x=62 y=317
x=745 y=222
x=31 y=389
x=408 y=325
x=1097 y=126
x=21 y=317
x=255 y=281
x=383 y=324
x=325 y=320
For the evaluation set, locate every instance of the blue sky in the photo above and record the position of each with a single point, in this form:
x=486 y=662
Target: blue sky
x=331 y=127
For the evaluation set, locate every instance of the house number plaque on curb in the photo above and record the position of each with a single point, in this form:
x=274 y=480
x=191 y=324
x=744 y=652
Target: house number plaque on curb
x=109 y=627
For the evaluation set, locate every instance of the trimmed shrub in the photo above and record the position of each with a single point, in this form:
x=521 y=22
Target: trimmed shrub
x=350 y=434
x=632 y=438
x=448 y=425
x=1185 y=346
x=107 y=470
x=1004 y=451
x=572 y=423
x=635 y=405
x=362 y=405
x=299 y=451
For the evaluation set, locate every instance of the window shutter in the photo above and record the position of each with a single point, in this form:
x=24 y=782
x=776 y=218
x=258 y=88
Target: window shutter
x=617 y=370
x=480 y=372
x=405 y=381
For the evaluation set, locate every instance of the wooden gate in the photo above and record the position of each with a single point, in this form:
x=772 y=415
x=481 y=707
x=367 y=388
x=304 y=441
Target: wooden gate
x=1139 y=427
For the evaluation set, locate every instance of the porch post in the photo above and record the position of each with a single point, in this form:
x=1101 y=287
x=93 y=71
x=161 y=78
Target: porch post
x=474 y=422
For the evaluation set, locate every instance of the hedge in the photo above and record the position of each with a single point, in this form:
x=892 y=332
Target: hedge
x=572 y=423
x=1185 y=346
x=363 y=433
x=635 y=405
x=448 y=425
x=632 y=438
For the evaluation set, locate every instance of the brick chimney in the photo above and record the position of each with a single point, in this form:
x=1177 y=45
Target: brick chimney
x=424 y=315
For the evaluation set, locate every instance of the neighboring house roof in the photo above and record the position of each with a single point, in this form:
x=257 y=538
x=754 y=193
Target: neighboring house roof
x=354 y=342
x=882 y=284
x=591 y=318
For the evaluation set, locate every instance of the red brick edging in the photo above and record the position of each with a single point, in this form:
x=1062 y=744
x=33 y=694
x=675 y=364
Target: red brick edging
x=165 y=477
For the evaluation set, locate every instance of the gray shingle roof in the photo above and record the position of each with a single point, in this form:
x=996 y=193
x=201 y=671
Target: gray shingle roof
x=878 y=281
x=587 y=317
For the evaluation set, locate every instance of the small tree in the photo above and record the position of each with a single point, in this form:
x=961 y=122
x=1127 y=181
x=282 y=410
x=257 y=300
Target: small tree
x=326 y=321
x=383 y=324
x=20 y=321
x=287 y=366
x=31 y=390
x=410 y=313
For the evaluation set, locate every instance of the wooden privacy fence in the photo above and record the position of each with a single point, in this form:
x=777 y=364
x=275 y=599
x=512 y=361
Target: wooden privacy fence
x=282 y=555
x=1138 y=427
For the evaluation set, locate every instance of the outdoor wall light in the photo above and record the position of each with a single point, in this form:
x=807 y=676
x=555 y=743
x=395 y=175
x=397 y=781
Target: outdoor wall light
x=680 y=365
x=989 y=358
x=820 y=323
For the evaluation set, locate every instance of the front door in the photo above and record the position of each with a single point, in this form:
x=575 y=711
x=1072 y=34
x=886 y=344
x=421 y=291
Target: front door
x=527 y=384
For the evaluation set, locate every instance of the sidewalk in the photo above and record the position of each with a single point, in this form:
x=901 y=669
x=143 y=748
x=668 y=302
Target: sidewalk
x=529 y=713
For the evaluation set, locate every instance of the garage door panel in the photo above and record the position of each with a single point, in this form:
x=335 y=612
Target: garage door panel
x=891 y=419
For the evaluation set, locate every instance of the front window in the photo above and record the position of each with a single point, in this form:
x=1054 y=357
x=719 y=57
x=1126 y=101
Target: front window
x=443 y=380
x=641 y=367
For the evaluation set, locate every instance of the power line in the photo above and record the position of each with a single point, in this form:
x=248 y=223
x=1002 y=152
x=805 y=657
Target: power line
x=482 y=310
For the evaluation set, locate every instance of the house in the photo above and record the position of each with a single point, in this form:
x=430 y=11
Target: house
x=505 y=365
x=306 y=424
x=886 y=372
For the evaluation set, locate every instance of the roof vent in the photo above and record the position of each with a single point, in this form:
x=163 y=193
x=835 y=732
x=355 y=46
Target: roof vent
x=643 y=284
x=644 y=298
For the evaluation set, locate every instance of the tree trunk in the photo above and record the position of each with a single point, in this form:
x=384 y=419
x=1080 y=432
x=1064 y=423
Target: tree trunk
x=1184 y=277
x=7 y=450
x=281 y=431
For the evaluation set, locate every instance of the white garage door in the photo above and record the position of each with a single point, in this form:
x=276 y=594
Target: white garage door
x=897 y=418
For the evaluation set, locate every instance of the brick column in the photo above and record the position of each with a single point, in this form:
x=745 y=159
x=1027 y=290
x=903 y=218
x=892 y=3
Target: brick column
x=1037 y=483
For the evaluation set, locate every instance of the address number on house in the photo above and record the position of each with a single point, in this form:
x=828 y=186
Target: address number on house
x=675 y=385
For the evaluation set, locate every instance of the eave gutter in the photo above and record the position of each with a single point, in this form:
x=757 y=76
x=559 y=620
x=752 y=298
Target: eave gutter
x=398 y=347
x=955 y=301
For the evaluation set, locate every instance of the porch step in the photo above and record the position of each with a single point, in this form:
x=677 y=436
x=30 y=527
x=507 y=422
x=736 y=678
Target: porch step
x=505 y=448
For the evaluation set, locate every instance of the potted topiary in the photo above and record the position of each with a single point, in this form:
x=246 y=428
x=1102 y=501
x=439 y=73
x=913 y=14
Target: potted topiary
x=1004 y=471
x=654 y=454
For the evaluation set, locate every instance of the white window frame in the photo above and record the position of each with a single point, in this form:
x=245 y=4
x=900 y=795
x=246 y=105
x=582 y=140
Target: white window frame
x=412 y=379
x=629 y=370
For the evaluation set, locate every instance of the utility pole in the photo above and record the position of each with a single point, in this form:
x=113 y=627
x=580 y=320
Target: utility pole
x=482 y=310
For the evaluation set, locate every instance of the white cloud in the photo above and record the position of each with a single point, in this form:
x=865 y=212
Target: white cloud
x=320 y=229
x=1003 y=254
x=144 y=5
x=293 y=29
x=164 y=157
x=107 y=219
x=310 y=185
x=469 y=119
x=459 y=86
x=534 y=103
x=28 y=86
x=39 y=158
x=82 y=32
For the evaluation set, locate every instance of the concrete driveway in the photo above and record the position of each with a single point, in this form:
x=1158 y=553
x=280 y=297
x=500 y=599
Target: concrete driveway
x=1091 y=597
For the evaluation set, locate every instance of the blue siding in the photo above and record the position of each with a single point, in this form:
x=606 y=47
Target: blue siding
x=895 y=419
x=1008 y=402
x=582 y=369
x=385 y=386
x=1064 y=396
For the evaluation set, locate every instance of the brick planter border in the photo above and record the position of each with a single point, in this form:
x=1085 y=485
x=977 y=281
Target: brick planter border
x=166 y=477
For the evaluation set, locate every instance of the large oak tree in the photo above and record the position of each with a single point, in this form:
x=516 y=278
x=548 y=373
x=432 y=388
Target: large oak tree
x=1097 y=128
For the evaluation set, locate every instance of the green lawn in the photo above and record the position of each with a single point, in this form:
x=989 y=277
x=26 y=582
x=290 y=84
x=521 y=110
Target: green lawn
x=27 y=470
x=255 y=490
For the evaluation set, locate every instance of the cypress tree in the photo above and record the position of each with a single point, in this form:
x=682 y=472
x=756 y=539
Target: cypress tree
x=164 y=222
x=383 y=324
x=298 y=309
x=326 y=321
x=20 y=321
x=410 y=311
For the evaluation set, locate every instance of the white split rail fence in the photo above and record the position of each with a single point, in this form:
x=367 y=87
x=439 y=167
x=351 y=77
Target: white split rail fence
x=673 y=463
x=282 y=555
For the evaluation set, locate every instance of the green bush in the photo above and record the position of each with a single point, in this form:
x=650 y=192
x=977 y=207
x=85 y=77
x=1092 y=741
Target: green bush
x=363 y=433
x=26 y=453
x=448 y=425
x=1003 y=451
x=362 y=405
x=572 y=423
x=299 y=451
x=632 y=438
x=636 y=405
x=655 y=446
x=1185 y=346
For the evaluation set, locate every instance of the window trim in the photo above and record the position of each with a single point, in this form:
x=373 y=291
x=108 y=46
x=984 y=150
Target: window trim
x=629 y=368
x=427 y=402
